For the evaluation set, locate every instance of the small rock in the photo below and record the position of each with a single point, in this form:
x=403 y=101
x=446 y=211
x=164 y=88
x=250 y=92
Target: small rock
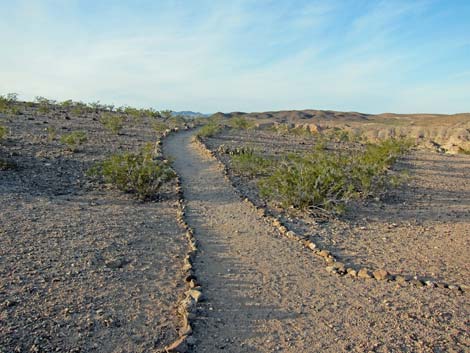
x=324 y=253
x=352 y=272
x=363 y=273
x=311 y=246
x=417 y=283
x=340 y=268
x=400 y=279
x=196 y=295
x=380 y=275
x=331 y=269
x=290 y=234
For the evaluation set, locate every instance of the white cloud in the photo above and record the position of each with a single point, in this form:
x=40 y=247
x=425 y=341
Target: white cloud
x=223 y=56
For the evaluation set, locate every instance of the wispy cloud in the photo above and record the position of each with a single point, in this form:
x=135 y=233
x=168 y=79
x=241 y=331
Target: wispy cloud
x=238 y=55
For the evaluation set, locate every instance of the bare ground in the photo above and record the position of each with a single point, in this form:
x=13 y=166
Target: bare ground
x=265 y=293
x=82 y=268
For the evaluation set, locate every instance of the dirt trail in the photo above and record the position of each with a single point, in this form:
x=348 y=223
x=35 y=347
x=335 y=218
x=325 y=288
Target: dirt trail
x=265 y=293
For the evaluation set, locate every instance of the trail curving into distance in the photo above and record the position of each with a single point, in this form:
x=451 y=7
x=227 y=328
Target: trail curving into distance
x=264 y=293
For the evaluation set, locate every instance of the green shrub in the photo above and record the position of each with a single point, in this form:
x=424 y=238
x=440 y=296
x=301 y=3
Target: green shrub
x=136 y=173
x=160 y=126
x=112 y=122
x=176 y=121
x=51 y=133
x=74 y=139
x=248 y=163
x=166 y=114
x=208 y=130
x=45 y=104
x=300 y=131
x=3 y=132
x=327 y=180
x=241 y=123
x=7 y=104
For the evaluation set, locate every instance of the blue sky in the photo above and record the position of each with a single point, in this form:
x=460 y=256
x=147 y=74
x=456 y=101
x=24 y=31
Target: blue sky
x=241 y=55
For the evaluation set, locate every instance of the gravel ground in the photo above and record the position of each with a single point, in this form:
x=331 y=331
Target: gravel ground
x=82 y=268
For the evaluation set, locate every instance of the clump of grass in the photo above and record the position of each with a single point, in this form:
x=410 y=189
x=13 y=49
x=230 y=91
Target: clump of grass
x=112 y=122
x=51 y=133
x=209 y=130
x=324 y=179
x=137 y=173
x=74 y=140
x=3 y=132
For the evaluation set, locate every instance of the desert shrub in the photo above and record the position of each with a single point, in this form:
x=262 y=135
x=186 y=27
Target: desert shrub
x=74 y=139
x=66 y=104
x=3 y=132
x=137 y=173
x=368 y=169
x=112 y=122
x=78 y=108
x=160 y=126
x=133 y=112
x=337 y=135
x=45 y=104
x=241 y=123
x=247 y=162
x=209 y=130
x=51 y=133
x=7 y=104
x=12 y=97
x=166 y=114
x=176 y=121
x=96 y=106
x=299 y=131
x=327 y=180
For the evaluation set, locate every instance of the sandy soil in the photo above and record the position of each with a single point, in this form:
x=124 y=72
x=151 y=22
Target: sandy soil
x=82 y=268
x=265 y=293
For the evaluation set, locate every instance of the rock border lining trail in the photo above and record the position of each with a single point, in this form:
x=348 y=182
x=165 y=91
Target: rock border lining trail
x=186 y=308
x=333 y=266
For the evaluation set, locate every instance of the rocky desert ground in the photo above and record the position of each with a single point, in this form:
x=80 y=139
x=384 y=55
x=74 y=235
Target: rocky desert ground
x=83 y=268
x=88 y=268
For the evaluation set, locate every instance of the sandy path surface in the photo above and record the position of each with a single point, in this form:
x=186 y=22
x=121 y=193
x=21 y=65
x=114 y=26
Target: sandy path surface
x=265 y=293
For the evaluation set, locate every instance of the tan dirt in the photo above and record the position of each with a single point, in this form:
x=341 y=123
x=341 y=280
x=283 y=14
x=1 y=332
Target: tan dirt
x=265 y=293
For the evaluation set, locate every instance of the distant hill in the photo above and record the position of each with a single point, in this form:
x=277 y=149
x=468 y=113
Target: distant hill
x=190 y=114
x=451 y=132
